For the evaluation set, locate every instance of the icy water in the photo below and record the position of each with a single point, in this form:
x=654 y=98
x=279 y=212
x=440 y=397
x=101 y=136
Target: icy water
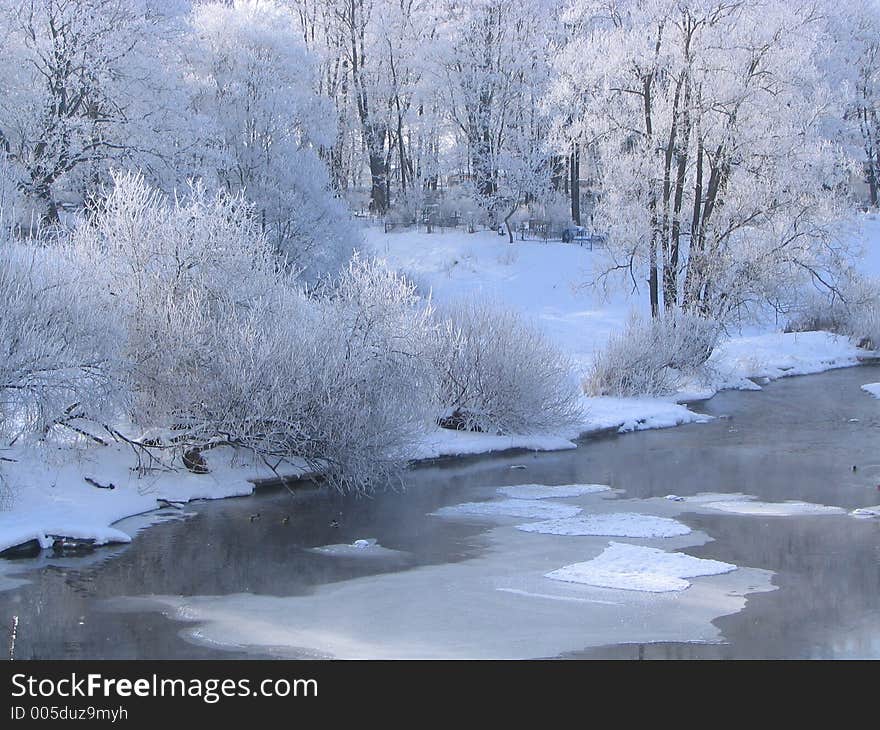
x=242 y=578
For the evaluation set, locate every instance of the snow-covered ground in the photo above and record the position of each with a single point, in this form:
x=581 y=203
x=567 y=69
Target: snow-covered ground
x=52 y=496
x=546 y=281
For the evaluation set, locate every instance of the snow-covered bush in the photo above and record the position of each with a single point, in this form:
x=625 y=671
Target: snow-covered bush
x=377 y=370
x=851 y=308
x=59 y=354
x=500 y=374
x=340 y=381
x=650 y=355
x=171 y=267
x=225 y=346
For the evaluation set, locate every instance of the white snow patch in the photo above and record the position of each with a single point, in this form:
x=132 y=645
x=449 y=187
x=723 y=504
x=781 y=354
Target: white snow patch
x=780 y=354
x=639 y=568
x=773 y=509
x=542 y=491
x=872 y=388
x=446 y=442
x=527 y=508
x=638 y=414
x=50 y=494
x=618 y=524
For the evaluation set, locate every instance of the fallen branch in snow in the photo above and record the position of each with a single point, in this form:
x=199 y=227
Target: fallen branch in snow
x=109 y=485
x=81 y=432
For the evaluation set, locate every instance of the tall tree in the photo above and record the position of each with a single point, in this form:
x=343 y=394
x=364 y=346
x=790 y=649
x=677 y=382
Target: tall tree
x=708 y=122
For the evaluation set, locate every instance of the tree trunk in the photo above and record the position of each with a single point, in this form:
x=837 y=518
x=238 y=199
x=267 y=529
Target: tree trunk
x=695 y=255
x=379 y=182
x=670 y=295
x=575 y=184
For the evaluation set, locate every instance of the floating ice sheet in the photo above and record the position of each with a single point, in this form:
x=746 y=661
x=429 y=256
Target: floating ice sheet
x=363 y=548
x=773 y=509
x=527 y=508
x=638 y=568
x=867 y=511
x=542 y=491
x=618 y=524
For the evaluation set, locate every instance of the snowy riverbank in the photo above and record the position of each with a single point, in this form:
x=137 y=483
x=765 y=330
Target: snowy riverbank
x=51 y=491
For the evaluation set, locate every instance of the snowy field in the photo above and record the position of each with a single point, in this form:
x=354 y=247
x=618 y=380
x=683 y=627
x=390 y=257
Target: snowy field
x=546 y=281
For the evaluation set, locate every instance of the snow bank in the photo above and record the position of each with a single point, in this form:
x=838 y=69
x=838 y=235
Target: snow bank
x=780 y=354
x=446 y=442
x=542 y=491
x=52 y=497
x=866 y=512
x=872 y=388
x=619 y=524
x=638 y=568
x=527 y=508
x=638 y=414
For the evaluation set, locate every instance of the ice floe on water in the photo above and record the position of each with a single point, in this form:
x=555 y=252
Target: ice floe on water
x=707 y=497
x=872 y=388
x=363 y=548
x=542 y=491
x=527 y=508
x=618 y=524
x=773 y=509
x=866 y=511
x=638 y=568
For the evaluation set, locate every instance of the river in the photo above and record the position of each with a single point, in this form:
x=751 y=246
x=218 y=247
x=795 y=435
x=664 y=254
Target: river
x=242 y=578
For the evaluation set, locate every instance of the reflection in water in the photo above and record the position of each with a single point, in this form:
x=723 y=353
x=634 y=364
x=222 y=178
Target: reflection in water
x=796 y=440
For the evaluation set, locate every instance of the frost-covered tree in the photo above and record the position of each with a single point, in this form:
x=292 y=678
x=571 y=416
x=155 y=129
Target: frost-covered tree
x=854 y=69
x=718 y=183
x=73 y=96
x=254 y=82
x=493 y=56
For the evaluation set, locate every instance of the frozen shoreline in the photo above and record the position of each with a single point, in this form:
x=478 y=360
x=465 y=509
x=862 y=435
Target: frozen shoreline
x=50 y=497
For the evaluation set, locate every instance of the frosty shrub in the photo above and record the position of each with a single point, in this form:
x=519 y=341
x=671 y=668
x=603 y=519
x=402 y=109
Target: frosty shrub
x=173 y=267
x=340 y=381
x=499 y=374
x=377 y=368
x=225 y=347
x=852 y=308
x=58 y=354
x=649 y=356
